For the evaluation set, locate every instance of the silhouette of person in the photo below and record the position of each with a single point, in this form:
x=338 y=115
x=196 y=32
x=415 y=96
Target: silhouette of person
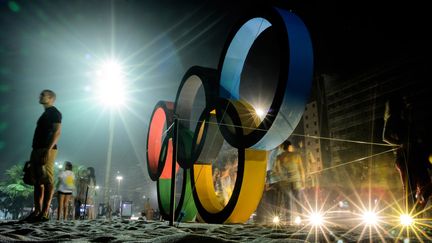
x=109 y=212
x=81 y=191
x=148 y=209
x=289 y=167
x=226 y=181
x=411 y=156
x=42 y=157
x=216 y=174
x=91 y=194
x=269 y=200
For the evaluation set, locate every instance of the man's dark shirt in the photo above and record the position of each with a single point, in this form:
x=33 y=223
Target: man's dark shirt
x=45 y=128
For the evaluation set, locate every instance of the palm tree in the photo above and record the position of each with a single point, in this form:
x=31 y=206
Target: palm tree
x=14 y=194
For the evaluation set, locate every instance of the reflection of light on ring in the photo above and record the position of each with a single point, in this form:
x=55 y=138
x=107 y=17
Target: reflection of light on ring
x=406 y=220
x=316 y=219
x=276 y=220
x=293 y=45
x=370 y=218
x=260 y=113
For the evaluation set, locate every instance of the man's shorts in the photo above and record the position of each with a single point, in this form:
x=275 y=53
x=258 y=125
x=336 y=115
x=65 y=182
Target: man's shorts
x=43 y=174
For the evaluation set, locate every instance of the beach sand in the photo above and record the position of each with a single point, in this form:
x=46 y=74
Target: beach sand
x=120 y=230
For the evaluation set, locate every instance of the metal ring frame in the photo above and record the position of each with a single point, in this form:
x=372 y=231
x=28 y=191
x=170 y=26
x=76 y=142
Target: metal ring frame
x=286 y=70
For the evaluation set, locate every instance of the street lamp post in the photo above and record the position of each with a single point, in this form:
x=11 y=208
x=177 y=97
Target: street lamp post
x=119 y=179
x=109 y=156
x=110 y=90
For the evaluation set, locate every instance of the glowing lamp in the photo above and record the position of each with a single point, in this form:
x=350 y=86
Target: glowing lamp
x=276 y=220
x=406 y=220
x=370 y=218
x=110 y=84
x=297 y=220
x=316 y=219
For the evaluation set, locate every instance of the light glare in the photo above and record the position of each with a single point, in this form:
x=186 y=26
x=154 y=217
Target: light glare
x=406 y=220
x=370 y=218
x=110 y=84
x=297 y=220
x=260 y=112
x=276 y=220
x=316 y=218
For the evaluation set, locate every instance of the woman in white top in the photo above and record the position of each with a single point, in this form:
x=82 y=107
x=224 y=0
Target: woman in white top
x=66 y=185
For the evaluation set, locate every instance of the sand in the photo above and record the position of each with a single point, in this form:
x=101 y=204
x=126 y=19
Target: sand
x=121 y=230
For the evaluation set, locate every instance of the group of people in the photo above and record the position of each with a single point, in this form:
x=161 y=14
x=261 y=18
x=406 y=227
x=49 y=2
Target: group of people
x=44 y=151
x=413 y=161
x=76 y=190
x=284 y=181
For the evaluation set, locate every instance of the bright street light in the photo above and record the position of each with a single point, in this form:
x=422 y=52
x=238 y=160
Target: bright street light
x=316 y=219
x=370 y=218
x=276 y=220
x=110 y=90
x=59 y=165
x=110 y=87
x=297 y=220
x=406 y=220
x=119 y=179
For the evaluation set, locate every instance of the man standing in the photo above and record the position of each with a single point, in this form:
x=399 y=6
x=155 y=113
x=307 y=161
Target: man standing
x=42 y=157
x=412 y=154
x=289 y=167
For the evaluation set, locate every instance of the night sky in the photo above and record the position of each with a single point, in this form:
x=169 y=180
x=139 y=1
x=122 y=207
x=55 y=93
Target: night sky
x=57 y=45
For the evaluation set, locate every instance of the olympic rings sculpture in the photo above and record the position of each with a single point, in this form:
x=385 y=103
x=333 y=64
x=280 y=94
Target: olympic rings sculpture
x=252 y=101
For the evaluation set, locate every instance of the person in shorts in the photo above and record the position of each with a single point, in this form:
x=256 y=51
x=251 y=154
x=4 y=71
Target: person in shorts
x=65 y=188
x=46 y=136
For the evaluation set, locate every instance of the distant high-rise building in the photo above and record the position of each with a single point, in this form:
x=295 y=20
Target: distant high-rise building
x=309 y=133
x=312 y=146
x=355 y=108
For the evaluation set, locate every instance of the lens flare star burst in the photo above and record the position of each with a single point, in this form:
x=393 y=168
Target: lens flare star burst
x=110 y=87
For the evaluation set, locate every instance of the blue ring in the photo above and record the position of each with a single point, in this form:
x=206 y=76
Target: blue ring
x=296 y=79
